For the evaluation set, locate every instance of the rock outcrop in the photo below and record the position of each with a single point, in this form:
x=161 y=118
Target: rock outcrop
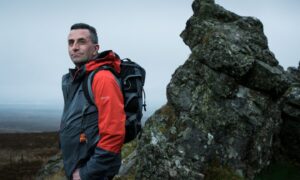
x=290 y=133
x=225 y=103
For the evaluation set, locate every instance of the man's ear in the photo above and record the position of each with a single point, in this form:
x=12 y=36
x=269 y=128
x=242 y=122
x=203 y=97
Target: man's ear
x=97 y=47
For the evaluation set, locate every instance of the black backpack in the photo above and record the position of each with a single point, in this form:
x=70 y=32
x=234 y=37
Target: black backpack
x=131 y=80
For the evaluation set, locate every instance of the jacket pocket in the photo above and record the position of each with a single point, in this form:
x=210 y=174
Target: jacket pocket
x=70 y=145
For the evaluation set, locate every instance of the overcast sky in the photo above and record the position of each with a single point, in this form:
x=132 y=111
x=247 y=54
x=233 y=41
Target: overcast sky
x=34 y=40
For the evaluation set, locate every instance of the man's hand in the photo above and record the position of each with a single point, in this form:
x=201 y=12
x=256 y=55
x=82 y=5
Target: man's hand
x=76 y=175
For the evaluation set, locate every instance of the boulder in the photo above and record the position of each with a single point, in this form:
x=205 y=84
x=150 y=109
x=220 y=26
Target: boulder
x=224 y=104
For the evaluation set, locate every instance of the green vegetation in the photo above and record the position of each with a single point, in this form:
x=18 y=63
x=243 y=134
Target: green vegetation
x=129 y=176
x=168 y=112
x=276 y=171
x=126 y=151
x=217 y=172
x=280 y=171
x=128 y=148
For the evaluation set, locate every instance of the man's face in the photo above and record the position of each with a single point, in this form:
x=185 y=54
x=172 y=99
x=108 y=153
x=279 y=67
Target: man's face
x=80 y=46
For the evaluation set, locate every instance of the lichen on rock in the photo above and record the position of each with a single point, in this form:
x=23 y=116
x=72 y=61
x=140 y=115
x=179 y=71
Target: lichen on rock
x=226 y=102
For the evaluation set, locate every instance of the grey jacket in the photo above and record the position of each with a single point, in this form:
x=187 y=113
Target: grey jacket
x=80 y=116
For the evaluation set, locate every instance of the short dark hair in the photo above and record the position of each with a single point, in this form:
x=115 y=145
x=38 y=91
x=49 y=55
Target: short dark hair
x=91 y=29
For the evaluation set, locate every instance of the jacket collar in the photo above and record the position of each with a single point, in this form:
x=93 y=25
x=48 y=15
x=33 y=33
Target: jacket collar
x=104 y=58
x=109 y=58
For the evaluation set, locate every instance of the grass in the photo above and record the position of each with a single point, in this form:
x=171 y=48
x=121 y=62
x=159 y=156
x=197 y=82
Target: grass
x=23 y=154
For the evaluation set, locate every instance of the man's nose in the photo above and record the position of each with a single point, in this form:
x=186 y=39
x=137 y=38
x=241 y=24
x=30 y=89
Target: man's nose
x=75 y=47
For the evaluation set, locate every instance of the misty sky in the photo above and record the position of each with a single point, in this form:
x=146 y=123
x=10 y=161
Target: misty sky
x=34 y=40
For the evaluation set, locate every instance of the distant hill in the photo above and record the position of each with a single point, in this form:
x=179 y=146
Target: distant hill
x=28 y=118
x=31 y=118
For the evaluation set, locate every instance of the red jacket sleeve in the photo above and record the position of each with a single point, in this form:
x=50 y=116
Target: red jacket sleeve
x=111 y=115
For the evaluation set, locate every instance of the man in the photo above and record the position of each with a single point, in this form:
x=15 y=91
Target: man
x=91 y=136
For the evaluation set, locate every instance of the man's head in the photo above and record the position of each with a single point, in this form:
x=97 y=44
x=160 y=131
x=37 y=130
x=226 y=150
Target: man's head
x=82 y=43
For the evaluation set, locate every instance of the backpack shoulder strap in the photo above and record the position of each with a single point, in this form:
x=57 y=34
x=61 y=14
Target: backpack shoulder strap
x=88 y=80
x=87 y=87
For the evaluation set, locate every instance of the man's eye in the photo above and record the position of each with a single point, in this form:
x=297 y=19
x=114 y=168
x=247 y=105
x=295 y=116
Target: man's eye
x=70 y=43
x=82 y=41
